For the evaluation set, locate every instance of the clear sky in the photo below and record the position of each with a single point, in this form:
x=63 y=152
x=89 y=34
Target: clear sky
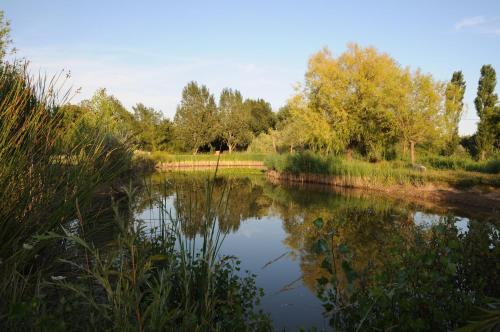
x=146 y=51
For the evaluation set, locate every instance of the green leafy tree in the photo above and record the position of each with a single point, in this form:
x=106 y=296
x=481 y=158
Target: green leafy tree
x=418 y=117
x=350 y=101
x=165 y=135
x=454 y=108
x=149 y=127
x=234 y=119
x=487 y=110
x=109 y=113
x=5 y=40
x=196 y=117
x=262 y=117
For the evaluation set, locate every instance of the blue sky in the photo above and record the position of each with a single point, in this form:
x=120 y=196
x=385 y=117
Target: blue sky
x=146 y=51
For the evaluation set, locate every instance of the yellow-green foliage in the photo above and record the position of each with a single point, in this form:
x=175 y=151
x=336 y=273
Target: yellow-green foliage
x=362 y=99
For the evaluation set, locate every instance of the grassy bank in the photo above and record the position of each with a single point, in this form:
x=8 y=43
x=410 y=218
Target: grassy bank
x=165 y=157
x=491 y=166
x=357 y=173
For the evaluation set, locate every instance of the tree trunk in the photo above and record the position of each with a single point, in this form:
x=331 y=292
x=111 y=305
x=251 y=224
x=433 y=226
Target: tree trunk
x=291 y=148
x=404 y=150
x=230 y=148
x=482 y=155
x=349 y=154
x=274 y=143
x=195 y=151
x=412 y=152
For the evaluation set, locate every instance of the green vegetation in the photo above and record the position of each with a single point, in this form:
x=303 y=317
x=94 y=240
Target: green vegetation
x=427 y=276
x=72 y=254
x=358 y=173
x=144 y=278
x=462 y=163
x=488 y=131
x=238 y=156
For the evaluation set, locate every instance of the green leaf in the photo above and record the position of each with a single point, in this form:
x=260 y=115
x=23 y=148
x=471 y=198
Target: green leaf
x=318 y=223
x=320 y=246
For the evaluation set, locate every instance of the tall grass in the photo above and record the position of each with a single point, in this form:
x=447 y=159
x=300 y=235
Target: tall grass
x=44 y=180
x=491 y=166
x=357 y=173
x=379 y=173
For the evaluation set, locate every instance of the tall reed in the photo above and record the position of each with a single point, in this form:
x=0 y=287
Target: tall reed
x=44 y=179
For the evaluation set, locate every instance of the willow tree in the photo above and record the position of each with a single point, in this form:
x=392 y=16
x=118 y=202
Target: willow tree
x=234 y=119
x=349 y=101
x=453 y=110
x=418 y=117
x=487 y=111
x=196 y=118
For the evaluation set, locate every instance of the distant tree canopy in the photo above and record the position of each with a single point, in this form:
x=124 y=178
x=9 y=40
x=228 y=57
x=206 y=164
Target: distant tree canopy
x=195 y=121
x=153 y=131
x=361 y=102
x=234 y=120
x=262 y=117
x=110 y=113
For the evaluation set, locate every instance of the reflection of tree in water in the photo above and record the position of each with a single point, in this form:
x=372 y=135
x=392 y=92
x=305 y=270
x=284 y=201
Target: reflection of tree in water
x=369 y=227
x=229 y=200
x=375 y=233
x=377 y=262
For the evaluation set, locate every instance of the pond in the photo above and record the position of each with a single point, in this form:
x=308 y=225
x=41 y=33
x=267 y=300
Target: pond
x=275 y=231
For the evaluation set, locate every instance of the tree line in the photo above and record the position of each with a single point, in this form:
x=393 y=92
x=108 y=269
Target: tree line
x=364 y=102
x=361 y=102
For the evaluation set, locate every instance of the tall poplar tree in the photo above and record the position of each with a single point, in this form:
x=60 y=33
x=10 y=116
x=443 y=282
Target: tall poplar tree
x=487 y=110
x=454 y=108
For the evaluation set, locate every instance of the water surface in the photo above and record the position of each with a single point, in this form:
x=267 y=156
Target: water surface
x=271 y=228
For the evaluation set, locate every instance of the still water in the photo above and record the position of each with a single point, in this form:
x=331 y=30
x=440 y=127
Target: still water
x=271 y=229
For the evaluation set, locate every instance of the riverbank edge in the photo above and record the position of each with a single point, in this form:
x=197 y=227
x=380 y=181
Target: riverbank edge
x=485 y=198
x=208 y=164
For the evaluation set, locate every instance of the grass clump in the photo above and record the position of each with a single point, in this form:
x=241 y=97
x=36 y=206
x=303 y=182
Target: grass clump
x=46 y=179
x=491 y=166
x=376 y=173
